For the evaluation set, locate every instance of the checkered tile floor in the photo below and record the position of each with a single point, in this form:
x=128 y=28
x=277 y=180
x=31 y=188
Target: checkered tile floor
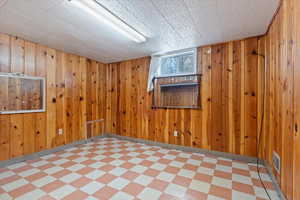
x=121 y=170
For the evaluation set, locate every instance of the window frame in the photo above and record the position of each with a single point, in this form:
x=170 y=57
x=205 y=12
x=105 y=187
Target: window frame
x=179 y=53
x=42 y=88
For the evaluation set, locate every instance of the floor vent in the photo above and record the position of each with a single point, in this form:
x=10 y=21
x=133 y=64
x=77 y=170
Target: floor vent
x=276 y=161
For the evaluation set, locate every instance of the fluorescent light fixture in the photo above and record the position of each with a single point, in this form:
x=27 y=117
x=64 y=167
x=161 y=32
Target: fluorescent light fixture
x=102 y=14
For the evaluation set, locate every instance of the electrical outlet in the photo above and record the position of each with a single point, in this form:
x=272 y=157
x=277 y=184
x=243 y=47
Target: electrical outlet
x=60 y=131
x=175 y=133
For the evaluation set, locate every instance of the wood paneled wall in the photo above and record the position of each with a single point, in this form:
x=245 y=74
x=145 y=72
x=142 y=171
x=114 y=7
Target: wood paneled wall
x=96 y=97
x=281 y=132
x=228 y=120
x=79 y=89
x=232 y=98
x=75 y=94
x=295 y=23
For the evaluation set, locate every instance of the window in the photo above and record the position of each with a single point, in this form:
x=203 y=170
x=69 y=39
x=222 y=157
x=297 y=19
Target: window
x=26 y=94
x=182 y=63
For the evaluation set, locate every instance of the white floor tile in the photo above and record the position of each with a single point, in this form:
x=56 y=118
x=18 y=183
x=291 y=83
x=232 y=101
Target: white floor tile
x=164 y=176
x=70 y=178
x=149 y=194
x=122 y=196
x=240 y=195
x=186 y=173
x=138 y=169
x=14 y=185
x=200 y=186
x=92 y=187
x=143 y=180
x=222 y=182
x=242 y=179
x=29 y=172
x=119 y=183
x=62 y=192
x=175 y=190
x=43 y=181
x=95 y=174
x=53 y=170
x=35 y=194
x=118 y=171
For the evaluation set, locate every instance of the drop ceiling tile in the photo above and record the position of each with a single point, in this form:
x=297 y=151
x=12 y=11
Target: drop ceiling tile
x=168 y=24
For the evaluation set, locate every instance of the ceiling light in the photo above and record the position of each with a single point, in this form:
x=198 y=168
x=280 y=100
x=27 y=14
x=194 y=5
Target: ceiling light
x=101 y=13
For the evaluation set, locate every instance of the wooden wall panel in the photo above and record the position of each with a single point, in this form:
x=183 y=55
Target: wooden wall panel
x=280 y=133
x=95 y=128
x=218 y=131
x=68 y=100
x=17 y=121
x=232 y=96
x=238 y=96
x=295 y=6
x=4 y=119
x=251 y=90
x=97 y=95
x=51 y=97
x=40 y=127
x=228 y=98
x=101 y=98
x=83 y=97
x=205 y=92
x=16 y=135
x=61 y=62
x=67 y=96
x=79 y=90
x=29 y=119
x=75 y=97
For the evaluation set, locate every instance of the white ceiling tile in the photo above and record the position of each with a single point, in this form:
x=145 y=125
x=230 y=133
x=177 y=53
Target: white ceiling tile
x=168 y=24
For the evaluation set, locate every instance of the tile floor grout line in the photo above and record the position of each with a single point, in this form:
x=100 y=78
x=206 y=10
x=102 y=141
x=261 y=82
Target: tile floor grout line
x=46 y=152
x=235 y=157
x=153 y=143
x=204 y=151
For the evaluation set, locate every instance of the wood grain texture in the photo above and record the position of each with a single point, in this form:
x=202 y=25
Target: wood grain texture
x=295 y=48
x=251 y=90
x=182 y=92
x=232 y=100
x=29 y=119
x=97 y=96
x=232 y=87
x=228 y=99
x=41 y=120
x=280 y=134
x=68 y=105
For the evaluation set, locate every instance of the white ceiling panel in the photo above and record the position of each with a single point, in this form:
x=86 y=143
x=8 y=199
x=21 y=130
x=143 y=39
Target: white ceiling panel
x=167 y=24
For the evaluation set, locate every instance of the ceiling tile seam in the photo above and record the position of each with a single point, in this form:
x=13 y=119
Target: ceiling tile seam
x=169 y=37
x=146 y=25
x=165 y=18
x=128 y=11
x=192 y=17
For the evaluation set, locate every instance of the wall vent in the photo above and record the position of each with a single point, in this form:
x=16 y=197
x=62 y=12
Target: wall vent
x=276 y=161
